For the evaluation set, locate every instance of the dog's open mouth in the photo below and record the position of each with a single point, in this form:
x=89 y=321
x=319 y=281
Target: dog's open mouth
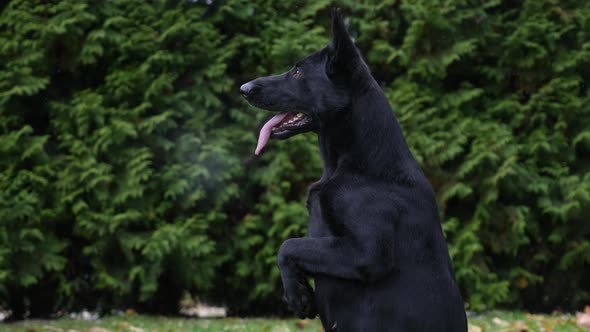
x=282 y=125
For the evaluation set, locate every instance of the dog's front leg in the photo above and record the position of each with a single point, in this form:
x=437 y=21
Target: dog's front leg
x=338 y=257
x=297 y=292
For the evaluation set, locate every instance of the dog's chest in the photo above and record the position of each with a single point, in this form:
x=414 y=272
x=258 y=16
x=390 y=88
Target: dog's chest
x=317 y=227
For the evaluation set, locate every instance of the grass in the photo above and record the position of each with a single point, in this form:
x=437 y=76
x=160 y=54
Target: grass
x=138 y=323
x=497 y=321
x=506 y=321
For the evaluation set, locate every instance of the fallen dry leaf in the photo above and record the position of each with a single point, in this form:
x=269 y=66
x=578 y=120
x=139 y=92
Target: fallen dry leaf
x=300 y=324
x=98 y=329
x=521 y=326
x=583 y=319
x=548 y=327
x=473 y=328
x=500 y=322
x=282 y=328
x=135 y=329
x=534 y=317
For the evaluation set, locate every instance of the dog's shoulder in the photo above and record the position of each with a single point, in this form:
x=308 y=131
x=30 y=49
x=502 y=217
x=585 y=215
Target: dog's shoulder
x=350 y=196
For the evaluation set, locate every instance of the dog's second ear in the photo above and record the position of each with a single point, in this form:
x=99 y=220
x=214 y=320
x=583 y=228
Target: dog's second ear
x=343 y=56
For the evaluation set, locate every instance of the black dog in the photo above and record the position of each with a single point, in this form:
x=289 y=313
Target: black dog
x=375 y=248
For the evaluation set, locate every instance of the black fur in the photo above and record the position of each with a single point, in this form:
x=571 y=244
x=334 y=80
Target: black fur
x=375 y=248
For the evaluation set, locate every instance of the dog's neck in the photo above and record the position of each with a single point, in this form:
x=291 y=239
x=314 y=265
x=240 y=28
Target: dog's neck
x=366 y=139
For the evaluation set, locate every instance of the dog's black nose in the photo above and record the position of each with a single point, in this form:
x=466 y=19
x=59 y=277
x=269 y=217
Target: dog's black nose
x=246 y=89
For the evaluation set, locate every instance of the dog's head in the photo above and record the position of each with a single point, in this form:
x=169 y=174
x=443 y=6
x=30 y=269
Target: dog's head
x=313 y=90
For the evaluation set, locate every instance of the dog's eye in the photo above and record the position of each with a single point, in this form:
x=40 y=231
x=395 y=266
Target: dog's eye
x=297 y=73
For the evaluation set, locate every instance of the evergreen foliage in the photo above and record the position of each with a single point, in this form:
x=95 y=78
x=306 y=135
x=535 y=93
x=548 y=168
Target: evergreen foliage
x=127 y=175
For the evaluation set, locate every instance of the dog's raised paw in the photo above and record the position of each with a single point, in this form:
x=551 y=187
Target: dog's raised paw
x=299 y=297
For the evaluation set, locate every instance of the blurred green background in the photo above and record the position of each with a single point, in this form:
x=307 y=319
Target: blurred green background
x=127 y=174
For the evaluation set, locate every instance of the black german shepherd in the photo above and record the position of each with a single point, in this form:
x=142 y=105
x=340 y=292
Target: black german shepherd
x=375 y=248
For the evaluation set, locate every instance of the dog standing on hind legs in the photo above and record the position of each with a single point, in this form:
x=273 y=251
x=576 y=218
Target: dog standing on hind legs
x=375 y=247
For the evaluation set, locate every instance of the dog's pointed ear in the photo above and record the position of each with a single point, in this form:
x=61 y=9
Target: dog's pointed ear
x=342 y=54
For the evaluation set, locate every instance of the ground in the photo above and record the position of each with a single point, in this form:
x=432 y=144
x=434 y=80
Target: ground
x=497 y=321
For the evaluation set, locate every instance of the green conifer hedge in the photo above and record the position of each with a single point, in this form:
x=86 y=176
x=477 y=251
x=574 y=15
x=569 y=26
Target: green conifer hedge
x=127 y=175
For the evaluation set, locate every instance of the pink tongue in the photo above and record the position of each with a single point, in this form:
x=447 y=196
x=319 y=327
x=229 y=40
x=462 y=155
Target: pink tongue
x=267 y=130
